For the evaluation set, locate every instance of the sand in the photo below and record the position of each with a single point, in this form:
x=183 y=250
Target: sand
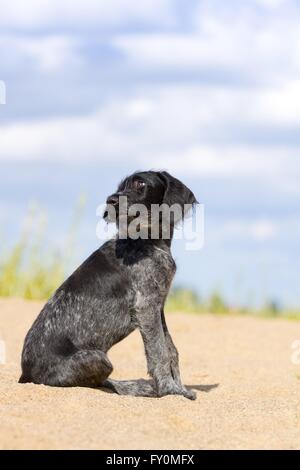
x=248 y=391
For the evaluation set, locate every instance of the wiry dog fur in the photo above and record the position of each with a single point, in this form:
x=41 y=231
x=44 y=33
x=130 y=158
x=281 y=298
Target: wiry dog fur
x=122 y=286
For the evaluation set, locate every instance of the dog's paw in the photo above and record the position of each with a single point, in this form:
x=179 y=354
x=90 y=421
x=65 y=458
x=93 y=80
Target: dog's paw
x=174 y=389
x=190 y=394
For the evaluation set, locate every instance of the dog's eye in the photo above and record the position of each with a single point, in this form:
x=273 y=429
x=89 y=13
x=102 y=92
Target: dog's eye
x=139 y=184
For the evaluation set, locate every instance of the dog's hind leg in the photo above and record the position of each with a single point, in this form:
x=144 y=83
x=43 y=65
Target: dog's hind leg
x=86 y=368
x=137 y=388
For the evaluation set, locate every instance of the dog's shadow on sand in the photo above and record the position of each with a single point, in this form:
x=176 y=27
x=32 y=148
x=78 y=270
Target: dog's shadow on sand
x=202 y=388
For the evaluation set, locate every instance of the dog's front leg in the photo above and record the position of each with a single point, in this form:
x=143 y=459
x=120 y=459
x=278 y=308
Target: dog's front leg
x=157 y=353
x=174 y=358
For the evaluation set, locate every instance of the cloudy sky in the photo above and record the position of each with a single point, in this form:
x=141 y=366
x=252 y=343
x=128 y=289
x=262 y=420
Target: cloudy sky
x=209 y=90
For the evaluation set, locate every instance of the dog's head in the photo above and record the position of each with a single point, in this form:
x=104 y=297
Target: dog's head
x=148 y=200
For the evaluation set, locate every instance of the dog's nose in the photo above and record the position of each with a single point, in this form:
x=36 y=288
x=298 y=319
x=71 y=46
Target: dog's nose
x=113 y=200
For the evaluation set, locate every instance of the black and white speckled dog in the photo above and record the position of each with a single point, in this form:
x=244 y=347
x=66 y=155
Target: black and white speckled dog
x=120 y=287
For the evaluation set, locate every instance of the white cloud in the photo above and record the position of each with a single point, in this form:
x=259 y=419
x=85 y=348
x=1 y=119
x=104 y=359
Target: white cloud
x=46 y=53
x=212 y=92
x=173 y=50
x=228 y=37
x=175 y=128
x=139 y=108
x=272 y=3
x=277 y=105
x=251 y=228
x=63 y=138
x=2 y=92
x=52 y=52
x=40 y=14
x=257 y=230
x=263 y=230
x=226 y=161
x=191 y=128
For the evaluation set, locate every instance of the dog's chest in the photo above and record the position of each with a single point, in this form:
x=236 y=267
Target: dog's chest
x=152 y=276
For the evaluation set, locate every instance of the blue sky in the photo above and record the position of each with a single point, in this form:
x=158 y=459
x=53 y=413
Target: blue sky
x=209 y=90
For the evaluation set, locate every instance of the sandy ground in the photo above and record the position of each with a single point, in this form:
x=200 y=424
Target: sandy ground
x=248 y=391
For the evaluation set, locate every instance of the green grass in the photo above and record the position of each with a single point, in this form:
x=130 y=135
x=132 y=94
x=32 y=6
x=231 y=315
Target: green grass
x=30 y=269
x=186 y=300
x=183 y=299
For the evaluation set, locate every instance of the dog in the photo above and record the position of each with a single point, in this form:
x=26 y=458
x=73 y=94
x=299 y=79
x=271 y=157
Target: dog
x=121 y=287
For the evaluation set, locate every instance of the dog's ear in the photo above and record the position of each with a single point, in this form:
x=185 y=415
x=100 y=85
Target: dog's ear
x=177 y=193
